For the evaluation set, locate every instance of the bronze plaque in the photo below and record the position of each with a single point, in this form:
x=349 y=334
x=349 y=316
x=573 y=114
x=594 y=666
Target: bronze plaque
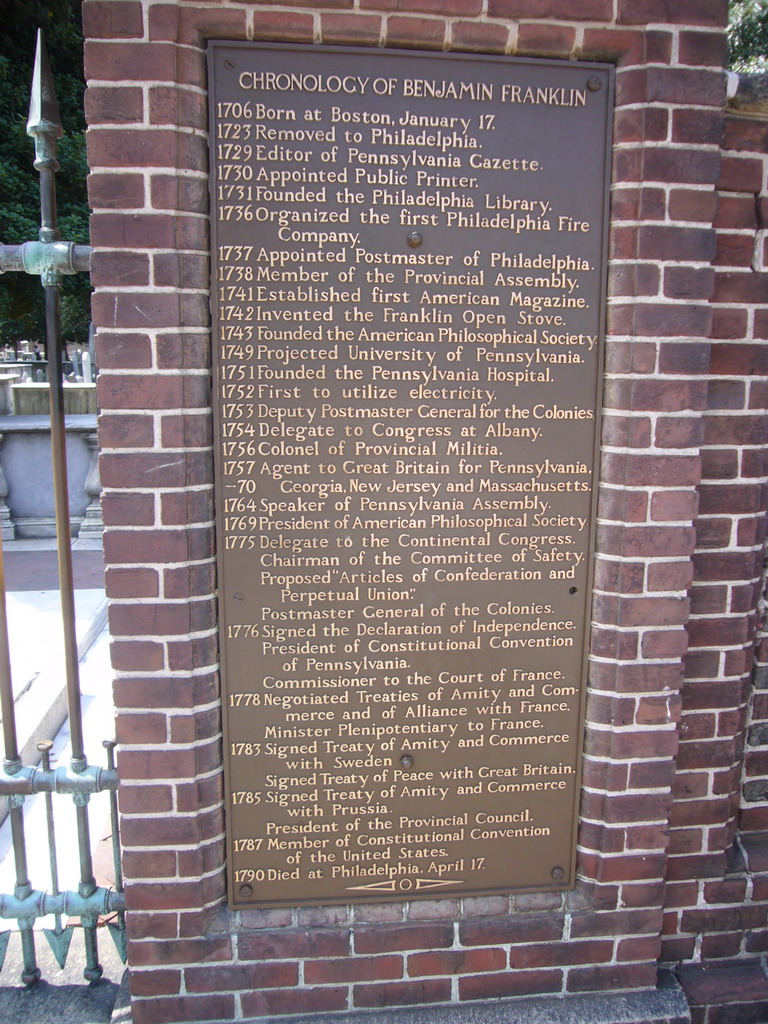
x=409 y=255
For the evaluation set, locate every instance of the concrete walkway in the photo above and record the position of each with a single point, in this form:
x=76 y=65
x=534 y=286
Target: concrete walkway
x=33 y=609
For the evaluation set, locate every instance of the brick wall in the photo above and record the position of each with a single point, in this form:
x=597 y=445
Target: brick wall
x=716 y=899
x=679 y=540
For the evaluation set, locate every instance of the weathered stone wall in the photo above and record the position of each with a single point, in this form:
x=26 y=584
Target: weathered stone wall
x=662 y=870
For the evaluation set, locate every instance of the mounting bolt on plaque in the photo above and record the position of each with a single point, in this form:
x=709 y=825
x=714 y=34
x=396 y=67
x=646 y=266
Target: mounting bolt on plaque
x=557 y=874
x=246 y=891
x=594 y=84
x=406 y=761
x=415 y=239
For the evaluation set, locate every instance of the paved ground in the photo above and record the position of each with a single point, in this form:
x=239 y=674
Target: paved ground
x=29 y=568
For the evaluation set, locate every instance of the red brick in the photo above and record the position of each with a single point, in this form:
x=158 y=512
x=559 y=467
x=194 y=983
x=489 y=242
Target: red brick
x=634 y=279
x=728 y=890
x=562 y=955
x=137 y=655
x=545 y=40
x=694 y=167
x=197 y=25
x=291 y=942
x=745 y=134
x=112 y=191
x=152 y=926
x=674 y=950
x=161 y=693
x=369 y=968
x=186 y=1008
x=113 y=105
x=250 y=976
x=734 y=251
x=688 y=282
x=186 y=431
x=155 y=983
x=739 y=359
x=731 y=498
x=505 y=930
x=725 y=394
x=187 y=351
x=123 y=351
x=392 y=938
x=127 y=431
x=635 y=203
x=141 y=728
x=644 y=921
x=482 y=36
x=149 y=309
x=638 y=125
x=630 y=356
x=685 y=12
x=740 y=287
x=150 y=619
x=135 y=800
x=615 y=976
x=623 y=506
x=280 y=1001
x=692 y=204
x=403 y=993
x=188 y=581
x=131 y=583
x=189 y=195
x=127 y=509
x=668 y=506
x=127 y=268
x=736 y=213
x=513 y=983
x=462 y=8
x=131 y=61
x=726 y=565
x=703 y=48
x=148 y=470
x=470 y=961
x=741 y=174
x=660 y=395
x=697 y=126
x=683 y=432
x=425 y=33
x=351 y=29
x=720 y=985
x=589 y=10
x=626 y=432
x=662 y=242
x=626 y=46
x=122 y=19
x=210 y=950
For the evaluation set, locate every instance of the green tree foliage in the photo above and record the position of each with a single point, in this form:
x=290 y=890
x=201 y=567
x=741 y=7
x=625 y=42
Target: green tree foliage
x=748 y=35
x=21 y=296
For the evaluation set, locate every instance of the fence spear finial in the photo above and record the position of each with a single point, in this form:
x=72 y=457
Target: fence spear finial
x=44 y=117
x=44 y=125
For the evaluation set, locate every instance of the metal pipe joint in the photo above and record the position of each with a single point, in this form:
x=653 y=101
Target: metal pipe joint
x=65 y=779
x=71 y=904
x=44 y=259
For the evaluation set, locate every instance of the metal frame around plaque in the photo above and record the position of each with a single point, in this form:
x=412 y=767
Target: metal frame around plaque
x=409 y=262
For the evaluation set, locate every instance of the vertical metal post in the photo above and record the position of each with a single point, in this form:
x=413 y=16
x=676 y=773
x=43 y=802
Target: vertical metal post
x=44 y=125
x=10 y=740
x=12 y=764
x=118 y=930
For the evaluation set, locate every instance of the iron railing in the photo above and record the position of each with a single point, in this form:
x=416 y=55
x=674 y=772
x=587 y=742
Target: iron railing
x=50 y=258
